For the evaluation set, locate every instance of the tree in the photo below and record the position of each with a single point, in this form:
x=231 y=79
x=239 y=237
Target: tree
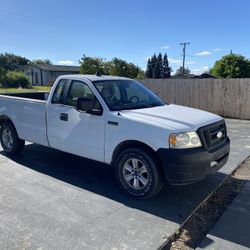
x=116 y=67
x=12 y=62
x=141 y=74
x=3 y=73
x=149 y=70
x=42 y=61
x=158 y=67
x=180 y=70
x=15 y=79
x=232 y=66
x=91 y=65
x=154 y=65
x=119 y=67
x=166 y=69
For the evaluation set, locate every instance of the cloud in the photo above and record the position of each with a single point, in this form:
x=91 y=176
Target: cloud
x=203 y=53
x=205 y=68
x=66 y=62
x=165 y=47
x=175 y=61
x=190 y=62
x=199 y=71
x=217 y=49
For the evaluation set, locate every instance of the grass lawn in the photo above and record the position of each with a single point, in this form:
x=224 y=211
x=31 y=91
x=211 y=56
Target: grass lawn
x=20 y=90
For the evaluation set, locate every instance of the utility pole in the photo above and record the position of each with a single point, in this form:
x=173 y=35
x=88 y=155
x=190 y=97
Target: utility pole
x=184 y=56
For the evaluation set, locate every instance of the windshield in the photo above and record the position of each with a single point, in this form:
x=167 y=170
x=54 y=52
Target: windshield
x=126 y=94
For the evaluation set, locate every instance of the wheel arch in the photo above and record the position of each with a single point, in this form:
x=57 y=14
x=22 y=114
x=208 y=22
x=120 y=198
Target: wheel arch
x=5 y=118
x=138 y=145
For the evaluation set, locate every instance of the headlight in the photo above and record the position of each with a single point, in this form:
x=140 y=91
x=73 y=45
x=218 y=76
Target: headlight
x=184 y=140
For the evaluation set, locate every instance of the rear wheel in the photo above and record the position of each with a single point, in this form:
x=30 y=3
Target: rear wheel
x=10 y=141
x=137 y=173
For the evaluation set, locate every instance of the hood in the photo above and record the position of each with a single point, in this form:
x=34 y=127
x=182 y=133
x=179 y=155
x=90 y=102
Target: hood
x=174 y=117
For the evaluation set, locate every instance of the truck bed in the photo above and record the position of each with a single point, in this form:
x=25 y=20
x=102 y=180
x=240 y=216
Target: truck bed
x=28 y=113
x=43 y=96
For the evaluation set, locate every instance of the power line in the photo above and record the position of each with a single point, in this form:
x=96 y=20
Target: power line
x=184 y=55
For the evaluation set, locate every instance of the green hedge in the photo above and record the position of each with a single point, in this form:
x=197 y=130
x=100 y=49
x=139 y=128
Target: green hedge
x=15 y=79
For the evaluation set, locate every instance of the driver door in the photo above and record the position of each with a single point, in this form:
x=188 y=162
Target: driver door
x=76 y=131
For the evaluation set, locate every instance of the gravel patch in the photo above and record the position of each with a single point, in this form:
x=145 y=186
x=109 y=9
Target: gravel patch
x=204 y=217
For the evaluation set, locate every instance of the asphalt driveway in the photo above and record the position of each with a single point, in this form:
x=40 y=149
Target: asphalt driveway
x=53 y=200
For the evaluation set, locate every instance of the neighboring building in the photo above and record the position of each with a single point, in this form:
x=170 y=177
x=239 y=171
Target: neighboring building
x=192 y=76
x=186 y=76
x=204 y=76
x=45 y=74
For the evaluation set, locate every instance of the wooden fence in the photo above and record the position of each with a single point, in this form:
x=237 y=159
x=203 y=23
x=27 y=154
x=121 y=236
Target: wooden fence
x=225 y=97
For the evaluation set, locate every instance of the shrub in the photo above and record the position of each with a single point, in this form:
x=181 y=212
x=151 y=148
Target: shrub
x=16 y=79
x=3 y=73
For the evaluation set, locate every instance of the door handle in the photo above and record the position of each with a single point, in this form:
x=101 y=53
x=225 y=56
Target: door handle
x=64 y=117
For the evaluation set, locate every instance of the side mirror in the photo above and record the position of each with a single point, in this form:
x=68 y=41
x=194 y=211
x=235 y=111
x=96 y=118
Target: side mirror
x=86 y=104
x=94 y=111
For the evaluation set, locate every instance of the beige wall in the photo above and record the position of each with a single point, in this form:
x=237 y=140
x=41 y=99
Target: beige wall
x=225 y=97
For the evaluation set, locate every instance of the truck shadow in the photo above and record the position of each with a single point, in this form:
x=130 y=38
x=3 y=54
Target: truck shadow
x=174 y=203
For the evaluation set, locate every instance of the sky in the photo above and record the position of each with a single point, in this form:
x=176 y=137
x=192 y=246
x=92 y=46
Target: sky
x=133 y=30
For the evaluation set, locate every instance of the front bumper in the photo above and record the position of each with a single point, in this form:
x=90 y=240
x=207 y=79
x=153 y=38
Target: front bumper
x=184 y=166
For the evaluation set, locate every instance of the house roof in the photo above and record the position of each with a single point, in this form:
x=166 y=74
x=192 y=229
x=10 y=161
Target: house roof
x=204 y=75
x=51 y=67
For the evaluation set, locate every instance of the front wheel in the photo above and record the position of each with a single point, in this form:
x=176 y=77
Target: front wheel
x=10 y=141
x=138 y=174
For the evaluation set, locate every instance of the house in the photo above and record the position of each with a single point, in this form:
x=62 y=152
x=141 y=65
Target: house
x=204 y=76
x=46 y=74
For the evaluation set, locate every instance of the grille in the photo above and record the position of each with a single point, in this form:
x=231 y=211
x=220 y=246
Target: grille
x=208 y=135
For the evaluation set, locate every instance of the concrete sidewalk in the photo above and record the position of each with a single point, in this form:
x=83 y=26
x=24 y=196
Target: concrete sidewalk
x=232 y=231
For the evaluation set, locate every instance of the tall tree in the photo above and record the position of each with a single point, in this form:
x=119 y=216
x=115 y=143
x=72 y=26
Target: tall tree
x=149 y=70
x=232 y=66
x=12 y=62
x=159 y=67
x=154 y=63
x=166 y=69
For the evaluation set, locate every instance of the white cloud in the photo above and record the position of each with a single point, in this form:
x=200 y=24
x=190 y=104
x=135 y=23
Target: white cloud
x=165 y=47
x=199 y=71
x=203 y=53
x=66 y=62
x=205 y=68
x=175 y=61
x=190 y=62
x=217 y=49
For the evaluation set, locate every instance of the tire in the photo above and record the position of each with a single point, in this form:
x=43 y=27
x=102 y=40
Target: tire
x=10 y=141
x=138 y=173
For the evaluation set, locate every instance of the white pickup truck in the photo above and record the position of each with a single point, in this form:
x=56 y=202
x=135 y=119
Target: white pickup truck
x=119 y=122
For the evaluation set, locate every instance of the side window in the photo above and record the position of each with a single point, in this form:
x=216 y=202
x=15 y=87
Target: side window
x=58 y=95
x=81 y=90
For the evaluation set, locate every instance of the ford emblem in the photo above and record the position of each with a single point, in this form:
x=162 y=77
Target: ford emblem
x=219 y=135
